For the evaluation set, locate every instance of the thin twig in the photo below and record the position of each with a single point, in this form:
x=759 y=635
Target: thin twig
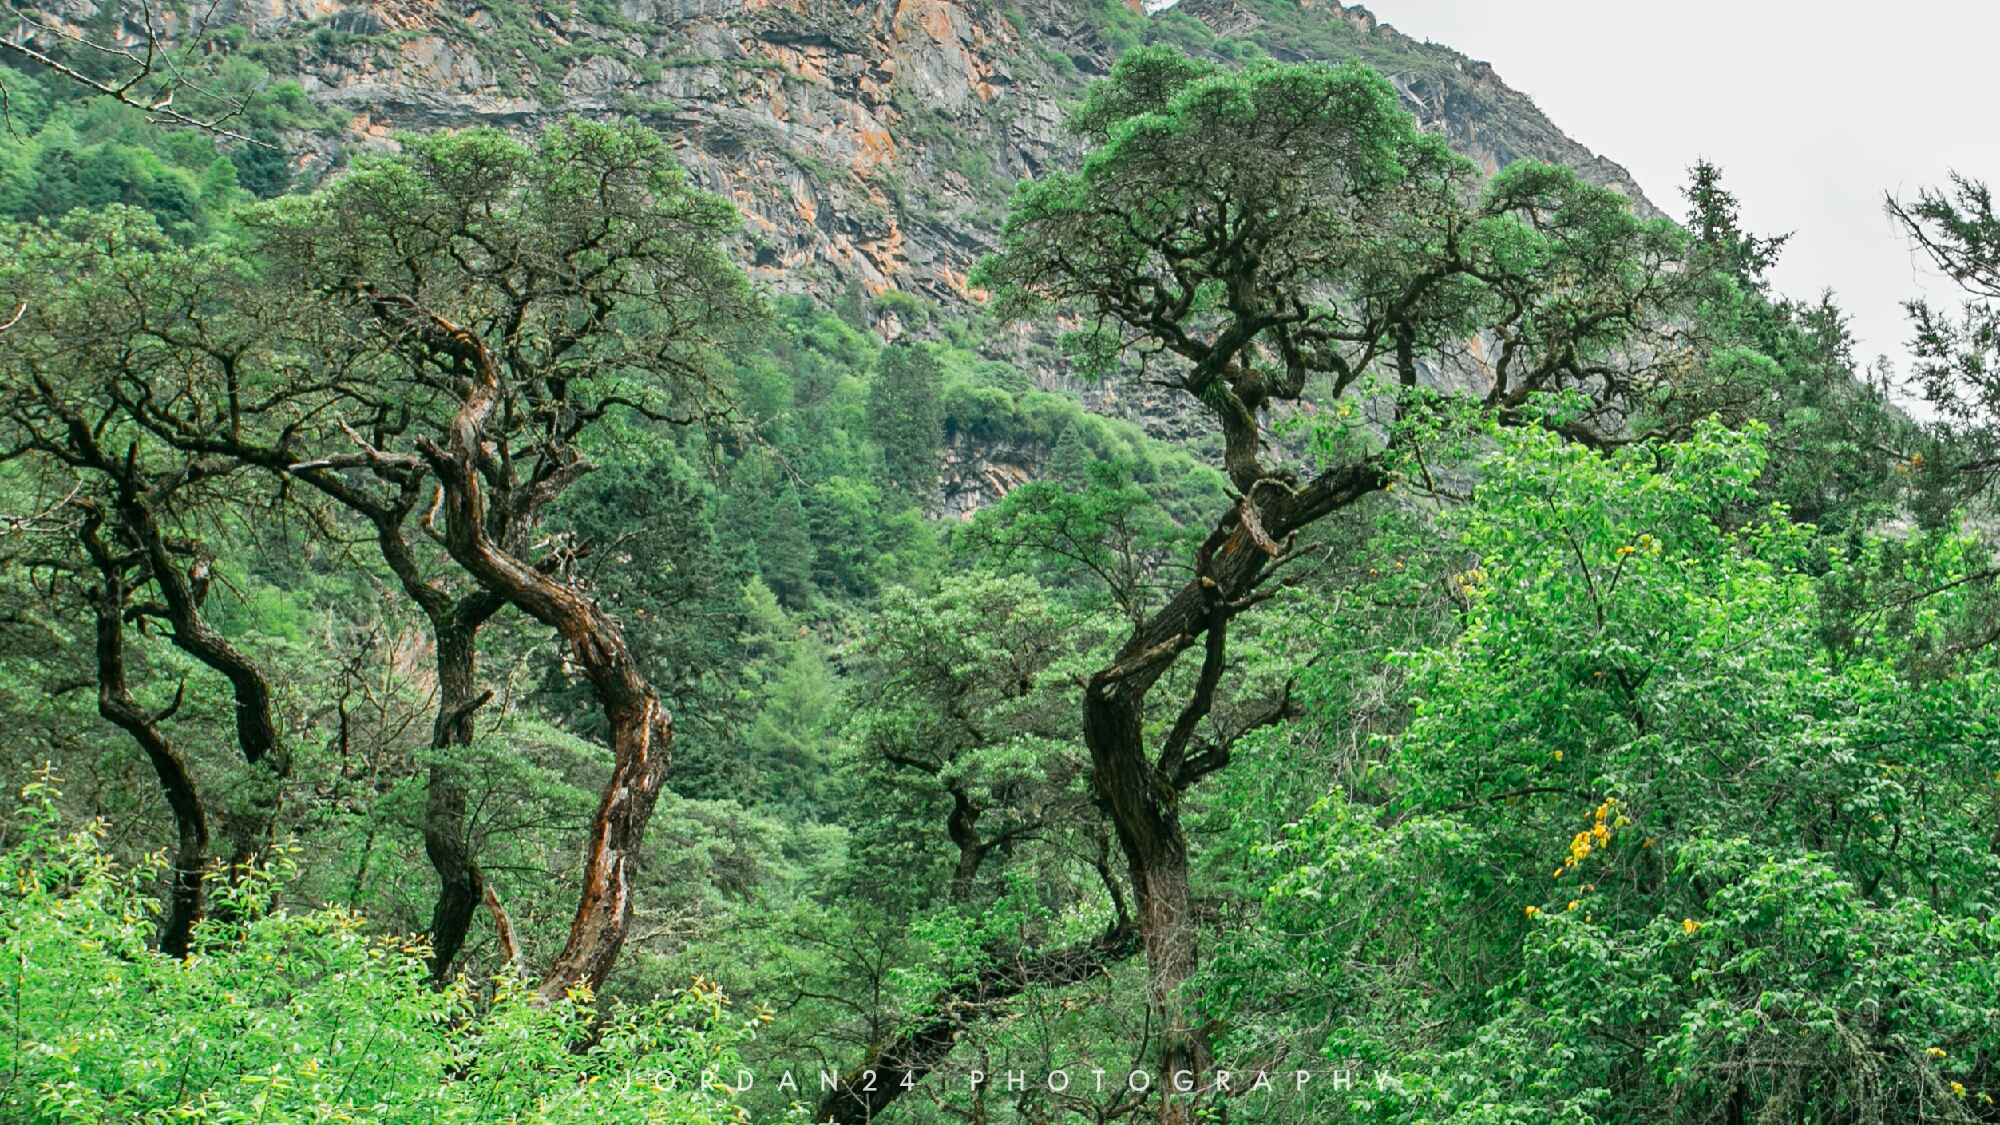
x=160 y=111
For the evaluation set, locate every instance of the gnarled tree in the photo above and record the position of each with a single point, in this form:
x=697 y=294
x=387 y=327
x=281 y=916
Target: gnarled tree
x=1252 y=237
x=139 y=504
x=513 y=298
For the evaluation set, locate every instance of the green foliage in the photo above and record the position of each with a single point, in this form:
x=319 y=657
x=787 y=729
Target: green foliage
x=648 y=521
x=588 y=253
x=1108 y=537
x=1644 y=778
x=1071 y=460
x=792 y=735
x=1668 y=851
x=287 y=1017
x=964 y=717
x=1376 y=247
x=1789 y=365
x=60 y=151
x=905 y=417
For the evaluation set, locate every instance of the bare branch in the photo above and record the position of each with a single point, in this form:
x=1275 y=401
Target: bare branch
x=158 y=112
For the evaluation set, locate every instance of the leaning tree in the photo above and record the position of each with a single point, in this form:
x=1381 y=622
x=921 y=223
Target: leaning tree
x=137 y=528
x=1279 y=234
x=429 y=344
x=511 y=298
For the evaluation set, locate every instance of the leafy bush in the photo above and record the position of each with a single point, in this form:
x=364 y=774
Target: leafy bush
x=1647 y=850
x=290 y=1017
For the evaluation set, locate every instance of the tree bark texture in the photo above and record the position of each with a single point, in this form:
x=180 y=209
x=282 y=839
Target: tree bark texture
x=454 y=625
x=182 y=591
x=1141 y=794
x=641 y=729
x=461 y=885
x=962 y=825
x=116 y=704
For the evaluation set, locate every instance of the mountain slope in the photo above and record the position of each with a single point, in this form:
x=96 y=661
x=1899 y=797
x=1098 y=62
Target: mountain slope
x=872 y=145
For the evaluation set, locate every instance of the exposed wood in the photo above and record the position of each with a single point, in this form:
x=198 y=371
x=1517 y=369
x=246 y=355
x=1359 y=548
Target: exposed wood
x=641 y=730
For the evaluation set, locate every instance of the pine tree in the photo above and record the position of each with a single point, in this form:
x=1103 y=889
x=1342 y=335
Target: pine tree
x=1712 y=219
x=1070 y=461
x=906 y=418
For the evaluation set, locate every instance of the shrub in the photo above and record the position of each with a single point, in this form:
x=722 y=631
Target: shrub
x=294 y=1017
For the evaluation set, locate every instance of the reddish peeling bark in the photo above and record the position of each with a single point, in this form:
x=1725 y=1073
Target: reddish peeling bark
x=503 y=931
x=640 y=728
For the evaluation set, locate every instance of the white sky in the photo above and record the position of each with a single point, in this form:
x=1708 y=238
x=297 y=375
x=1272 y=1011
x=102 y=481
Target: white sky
x=1813 y=111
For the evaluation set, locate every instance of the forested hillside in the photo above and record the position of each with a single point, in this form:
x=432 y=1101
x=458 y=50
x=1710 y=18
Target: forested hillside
x=1297 y=611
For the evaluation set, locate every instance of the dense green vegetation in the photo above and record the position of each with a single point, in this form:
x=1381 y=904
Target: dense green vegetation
x=469 y=656
x=60 y=151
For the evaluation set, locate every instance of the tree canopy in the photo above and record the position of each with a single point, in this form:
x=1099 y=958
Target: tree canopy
x=466 y=653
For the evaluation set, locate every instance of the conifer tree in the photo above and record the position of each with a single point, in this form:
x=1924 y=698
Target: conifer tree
x=906 y=417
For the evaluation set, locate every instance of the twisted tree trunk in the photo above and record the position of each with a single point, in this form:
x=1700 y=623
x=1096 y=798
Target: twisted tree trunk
x=1143 y=807
x=116 y=704
x=454 y=624
x=1141 y=793
x=641 y=730
x=182 y=591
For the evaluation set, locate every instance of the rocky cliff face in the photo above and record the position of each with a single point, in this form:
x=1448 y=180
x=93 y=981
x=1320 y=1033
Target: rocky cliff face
x=872 y=143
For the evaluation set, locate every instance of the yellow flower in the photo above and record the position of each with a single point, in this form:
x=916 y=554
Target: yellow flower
x=1533 y=911
x=1572 y=905
x=1935 y=1052
x=1958 y=1089
x=1647 y=844
x=1689 y=925
x=1559 y=755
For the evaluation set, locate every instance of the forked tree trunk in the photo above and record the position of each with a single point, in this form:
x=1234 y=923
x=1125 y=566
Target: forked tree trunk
x=182 y=590
x=1141 y=793
x=116 y=704
x=454 y=625
x=641 y=730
